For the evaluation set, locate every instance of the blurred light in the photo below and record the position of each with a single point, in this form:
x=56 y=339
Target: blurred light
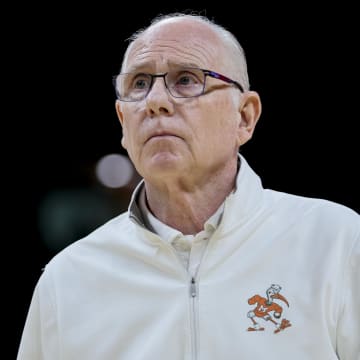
x=114 y=170
x=66 y=215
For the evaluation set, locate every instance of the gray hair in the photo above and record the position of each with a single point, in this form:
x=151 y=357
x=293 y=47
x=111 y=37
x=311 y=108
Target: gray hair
x=231 y=41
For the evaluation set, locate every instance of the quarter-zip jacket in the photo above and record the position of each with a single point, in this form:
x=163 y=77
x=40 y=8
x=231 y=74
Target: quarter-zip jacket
x=279 y=280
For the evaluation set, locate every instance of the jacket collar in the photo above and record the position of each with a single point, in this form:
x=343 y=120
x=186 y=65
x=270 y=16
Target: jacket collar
x=246 y=200
x=239 y=206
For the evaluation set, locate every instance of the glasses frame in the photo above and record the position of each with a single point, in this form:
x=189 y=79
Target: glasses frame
x=206 y=73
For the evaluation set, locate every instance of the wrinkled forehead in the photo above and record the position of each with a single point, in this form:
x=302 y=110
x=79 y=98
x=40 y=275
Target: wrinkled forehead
x=184 y=42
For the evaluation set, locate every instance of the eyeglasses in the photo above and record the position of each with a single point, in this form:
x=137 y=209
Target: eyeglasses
x=182 y=83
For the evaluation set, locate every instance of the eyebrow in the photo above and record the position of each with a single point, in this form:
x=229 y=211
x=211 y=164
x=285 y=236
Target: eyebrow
x=145 y=67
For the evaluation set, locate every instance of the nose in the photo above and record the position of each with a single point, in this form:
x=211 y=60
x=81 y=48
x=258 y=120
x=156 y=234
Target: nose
x=158 y=100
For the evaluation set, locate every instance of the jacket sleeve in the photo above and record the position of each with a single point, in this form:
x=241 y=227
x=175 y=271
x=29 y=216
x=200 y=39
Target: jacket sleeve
x=348 y=332
x=39 y=339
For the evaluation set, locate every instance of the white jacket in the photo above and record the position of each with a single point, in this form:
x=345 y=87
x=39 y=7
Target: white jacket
x=280 y=279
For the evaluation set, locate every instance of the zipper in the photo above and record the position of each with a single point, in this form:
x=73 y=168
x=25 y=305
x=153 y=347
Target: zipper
x=193 y=287
x=194 y=322
x=193 y=296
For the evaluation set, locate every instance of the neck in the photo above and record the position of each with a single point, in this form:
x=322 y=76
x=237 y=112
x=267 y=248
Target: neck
x=186 y=206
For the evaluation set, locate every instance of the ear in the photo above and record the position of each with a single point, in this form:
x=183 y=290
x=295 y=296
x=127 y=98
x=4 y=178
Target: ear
x=250 y=111
x=121 y=119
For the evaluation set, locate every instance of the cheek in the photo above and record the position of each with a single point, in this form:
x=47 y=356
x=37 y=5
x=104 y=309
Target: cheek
x=128 y=125
x=128 y=134
x=221 y=119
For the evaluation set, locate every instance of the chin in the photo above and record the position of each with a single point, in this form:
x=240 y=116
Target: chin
x=163 y=163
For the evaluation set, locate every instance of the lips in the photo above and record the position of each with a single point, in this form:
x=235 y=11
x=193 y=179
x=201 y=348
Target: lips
x=162 y=134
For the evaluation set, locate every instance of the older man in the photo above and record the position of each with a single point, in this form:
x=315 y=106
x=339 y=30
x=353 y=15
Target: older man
x=206 y=264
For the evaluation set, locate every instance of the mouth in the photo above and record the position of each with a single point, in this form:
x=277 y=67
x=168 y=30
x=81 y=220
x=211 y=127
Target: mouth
x=162 y=135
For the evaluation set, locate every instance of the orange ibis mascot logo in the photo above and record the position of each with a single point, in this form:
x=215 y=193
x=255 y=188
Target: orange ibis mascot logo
x=267 y=309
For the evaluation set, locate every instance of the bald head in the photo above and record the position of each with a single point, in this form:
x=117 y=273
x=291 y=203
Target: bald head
x=212 y=38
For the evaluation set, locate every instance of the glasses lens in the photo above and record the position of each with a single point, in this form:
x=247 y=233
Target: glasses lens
x=181 y=83
x=185 y=82
x=132 y=86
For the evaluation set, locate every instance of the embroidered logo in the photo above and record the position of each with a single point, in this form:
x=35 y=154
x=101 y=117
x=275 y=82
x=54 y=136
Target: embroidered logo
x=268 y=309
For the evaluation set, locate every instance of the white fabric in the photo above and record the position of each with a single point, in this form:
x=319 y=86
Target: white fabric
x=121 y=293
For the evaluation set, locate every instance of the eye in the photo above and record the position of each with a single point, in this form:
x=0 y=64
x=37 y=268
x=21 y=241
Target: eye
x=187 y=78
x=141 y=81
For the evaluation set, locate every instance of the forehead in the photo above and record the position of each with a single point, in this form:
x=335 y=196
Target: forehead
x=175 y=42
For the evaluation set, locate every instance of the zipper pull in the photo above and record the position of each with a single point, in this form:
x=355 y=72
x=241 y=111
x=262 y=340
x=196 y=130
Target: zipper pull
x=193 y=287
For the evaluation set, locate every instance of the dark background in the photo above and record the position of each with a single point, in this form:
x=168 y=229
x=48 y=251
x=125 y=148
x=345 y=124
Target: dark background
x=302 y=61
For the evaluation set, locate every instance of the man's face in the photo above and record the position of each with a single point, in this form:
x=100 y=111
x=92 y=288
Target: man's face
x=177 y=137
